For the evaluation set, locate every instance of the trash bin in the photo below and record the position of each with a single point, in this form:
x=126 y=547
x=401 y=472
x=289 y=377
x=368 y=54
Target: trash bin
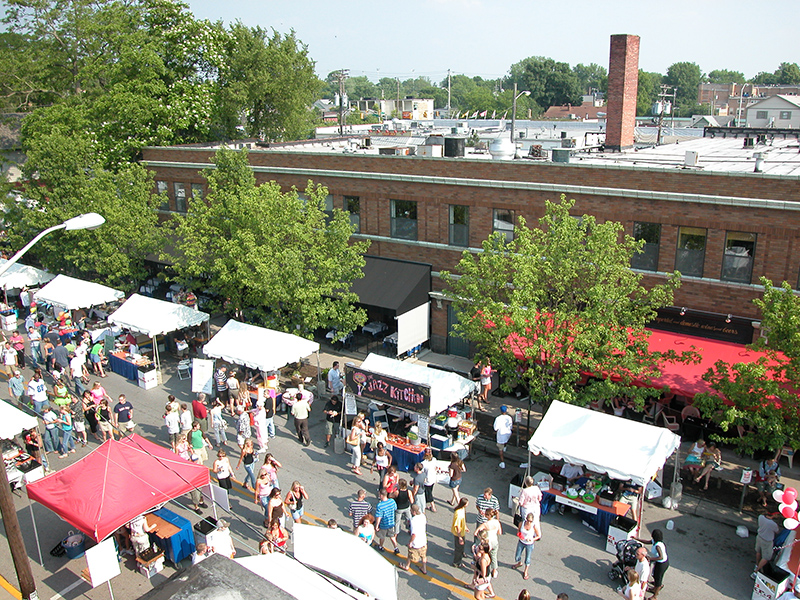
x=203 y=528
x=514 y=488
x=74 y=545
x=621 y=528
x=771 y=582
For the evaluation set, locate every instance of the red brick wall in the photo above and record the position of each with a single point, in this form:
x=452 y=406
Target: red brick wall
x=623 y=80
x=778 y=231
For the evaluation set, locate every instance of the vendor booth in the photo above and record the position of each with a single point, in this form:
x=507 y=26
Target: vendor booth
x=257 y=347
x=71 y=294
x=152 y=318
x=428 y=395
x=119 y=481
x=622 y=449
x=19 y=276
x=21 y=468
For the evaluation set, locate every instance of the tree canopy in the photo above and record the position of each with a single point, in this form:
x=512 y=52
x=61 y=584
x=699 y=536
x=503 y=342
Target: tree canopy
x=647 y=92
x=277 y=257
x=757 y=404
x=725 y=76
x=560 y=301
x=687 y=77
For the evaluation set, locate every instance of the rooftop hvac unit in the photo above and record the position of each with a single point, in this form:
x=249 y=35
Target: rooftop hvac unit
x=536 y=151
x=749 y=142
x=691 y=159
x=561 y=155
x=567 y=142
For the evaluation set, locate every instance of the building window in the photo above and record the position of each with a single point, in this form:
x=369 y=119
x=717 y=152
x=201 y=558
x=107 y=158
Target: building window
x=737 y=261
x=651 y=234
x=503 y=222
x=180 y=196
x=404 y=219
x=328 y=208
x=459 y=225
x=197 y=191
x=761 y=114
x=352 y=204
x=691 y=251
x=785 y=115
x=161 y=189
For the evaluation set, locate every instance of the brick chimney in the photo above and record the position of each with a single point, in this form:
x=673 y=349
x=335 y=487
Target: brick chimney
x=623 y=80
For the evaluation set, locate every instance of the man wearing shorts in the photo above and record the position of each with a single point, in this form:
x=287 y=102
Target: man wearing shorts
x=123 y=414
x=765 y=541
x=418 y=544
x=384 y=521
x=332 y=410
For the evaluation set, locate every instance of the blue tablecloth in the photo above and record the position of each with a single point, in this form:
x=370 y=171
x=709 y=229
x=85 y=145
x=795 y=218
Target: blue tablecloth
x=180 y=545
x=599 y=522
x=120 y=366
x=405 y=460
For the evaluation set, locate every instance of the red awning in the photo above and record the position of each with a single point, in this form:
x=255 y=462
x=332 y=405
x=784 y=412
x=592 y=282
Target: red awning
x=687 y=379
x=115 y=483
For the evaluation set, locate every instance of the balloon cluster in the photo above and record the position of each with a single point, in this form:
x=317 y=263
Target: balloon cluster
x=788 y=507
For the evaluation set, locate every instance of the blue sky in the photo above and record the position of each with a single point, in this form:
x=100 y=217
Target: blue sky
x=485 y=37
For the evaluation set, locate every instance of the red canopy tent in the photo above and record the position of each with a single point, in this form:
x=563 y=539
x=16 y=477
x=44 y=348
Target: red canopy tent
x=115 y=483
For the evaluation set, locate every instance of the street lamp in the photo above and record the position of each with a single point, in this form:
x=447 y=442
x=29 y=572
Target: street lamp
x=86 y=221
x=514 y=114
x=27 y=585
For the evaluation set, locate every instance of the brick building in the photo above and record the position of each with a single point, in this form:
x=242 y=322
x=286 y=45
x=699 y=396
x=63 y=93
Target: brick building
x=722 y=210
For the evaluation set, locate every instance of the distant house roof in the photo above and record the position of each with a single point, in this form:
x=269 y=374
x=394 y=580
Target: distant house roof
x=10 y=125
x=585 y=111
x=774 y=101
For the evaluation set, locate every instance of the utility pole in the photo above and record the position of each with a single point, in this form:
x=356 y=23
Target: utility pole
x=663 y=95
x=341 y=76
x=397 y=106
x=27 y=586
x=448 y=93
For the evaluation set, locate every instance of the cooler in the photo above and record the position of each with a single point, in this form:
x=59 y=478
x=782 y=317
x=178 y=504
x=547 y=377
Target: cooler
x=9 y=322
x=148 y=379
x=203 y=528
x=621 y=528
x=441 y=442
x=514 y=488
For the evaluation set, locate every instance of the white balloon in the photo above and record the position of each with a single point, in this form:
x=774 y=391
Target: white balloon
x=777 y=495
x=793 y=505
x=791 y=523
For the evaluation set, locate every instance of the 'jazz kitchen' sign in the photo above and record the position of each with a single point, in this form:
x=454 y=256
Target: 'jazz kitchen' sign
x=389 y=390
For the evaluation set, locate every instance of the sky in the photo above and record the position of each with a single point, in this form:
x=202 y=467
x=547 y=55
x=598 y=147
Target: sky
x=413 y=38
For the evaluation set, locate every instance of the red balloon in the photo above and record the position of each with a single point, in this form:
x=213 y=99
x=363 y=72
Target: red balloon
x=789 y=495
x=788 y=512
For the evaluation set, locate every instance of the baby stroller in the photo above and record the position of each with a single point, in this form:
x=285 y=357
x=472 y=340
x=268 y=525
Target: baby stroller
x=626 y=557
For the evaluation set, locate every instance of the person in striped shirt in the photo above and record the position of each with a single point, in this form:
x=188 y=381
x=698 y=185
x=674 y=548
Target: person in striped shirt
x=359 y=507
x=484 y=502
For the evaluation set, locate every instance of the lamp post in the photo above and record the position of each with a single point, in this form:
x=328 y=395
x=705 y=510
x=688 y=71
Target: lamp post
x=514 y=114
x=27 y=586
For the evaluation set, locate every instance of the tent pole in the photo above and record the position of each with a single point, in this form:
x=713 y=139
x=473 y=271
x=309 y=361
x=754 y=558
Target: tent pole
x=319 y=389
x=35 y=532
x=157 y=358
x=110 y=591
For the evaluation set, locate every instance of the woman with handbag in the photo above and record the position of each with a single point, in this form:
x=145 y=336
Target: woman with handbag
x=529 y=532
x=482 y=576
x=354 y=442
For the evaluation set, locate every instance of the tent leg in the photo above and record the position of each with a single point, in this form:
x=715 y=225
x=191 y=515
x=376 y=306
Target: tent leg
x=641 y=511
x=157 y=360
x=110 y=591
x=35 y=533
x=319 y=389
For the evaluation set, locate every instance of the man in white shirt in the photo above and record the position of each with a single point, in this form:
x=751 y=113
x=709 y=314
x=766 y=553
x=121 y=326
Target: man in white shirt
x=37 y=391
x=503 y=426
x=642 y=566
x=418 y=544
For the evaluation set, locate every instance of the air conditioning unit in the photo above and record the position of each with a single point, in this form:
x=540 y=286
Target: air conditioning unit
x=691 y=159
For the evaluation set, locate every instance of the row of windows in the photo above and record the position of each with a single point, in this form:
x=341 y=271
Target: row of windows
x=737 y=259
x=738 y=253
x=784 y=115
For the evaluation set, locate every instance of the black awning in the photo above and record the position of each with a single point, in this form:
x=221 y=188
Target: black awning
x=397 y=285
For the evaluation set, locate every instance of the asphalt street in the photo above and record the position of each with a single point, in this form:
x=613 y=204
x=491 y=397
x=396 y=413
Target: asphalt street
x=707 y=559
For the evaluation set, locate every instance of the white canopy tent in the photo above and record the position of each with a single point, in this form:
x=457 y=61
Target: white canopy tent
x=622 y=448
x=73 y=294
x=295 y=578
x=258 y=347
x=20 y=276
x=13 y=421
x=153 y=317
x=446 y=388
x=344 y=555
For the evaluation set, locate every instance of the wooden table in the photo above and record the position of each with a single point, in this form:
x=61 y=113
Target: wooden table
x=164 y=530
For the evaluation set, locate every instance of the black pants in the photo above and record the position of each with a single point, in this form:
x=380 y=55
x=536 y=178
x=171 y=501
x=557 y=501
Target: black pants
x=301 y=426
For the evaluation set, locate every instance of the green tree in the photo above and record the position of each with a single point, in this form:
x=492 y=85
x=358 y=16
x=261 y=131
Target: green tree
x=764 y=78
x=268 y=83
x=591 y=77
x=647 y=92
x=687 y=77
x=70 y=180
x=277 y=255
x=756 y=404
x=723 y=76
x=559 y=301
x=787 y=74
x=550 y=83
